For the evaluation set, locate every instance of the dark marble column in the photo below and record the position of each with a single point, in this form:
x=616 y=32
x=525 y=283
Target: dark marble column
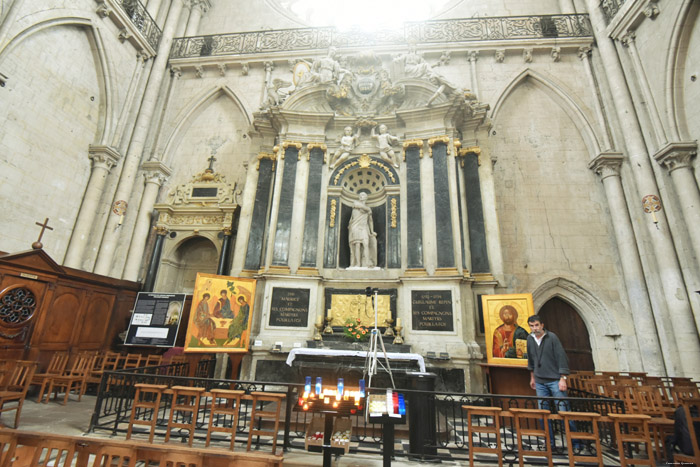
x=313 y=208
x=150 y=280
x=258 y=224
x=443 y=211
x=475 y=214
x=414 y=220
x=280 y=253
x=225 y=252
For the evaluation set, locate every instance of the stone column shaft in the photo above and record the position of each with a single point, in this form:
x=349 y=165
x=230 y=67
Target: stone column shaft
x=473 y=57
x=156 y=174
x=138 y=139
x=296 y=239
x=244 y=221
x=657 y=125
x=673 y=285
x=677 y=158
x=9 y=21
x=224 y=255
x=103 y=159
x=153 y=8
x=150 y=280
x=660 y=356
x=197 y=9
x=129 y=100
x=584 y=55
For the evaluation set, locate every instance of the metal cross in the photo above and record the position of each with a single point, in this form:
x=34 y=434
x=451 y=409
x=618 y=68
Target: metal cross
x=211 y=162
x=37 y=245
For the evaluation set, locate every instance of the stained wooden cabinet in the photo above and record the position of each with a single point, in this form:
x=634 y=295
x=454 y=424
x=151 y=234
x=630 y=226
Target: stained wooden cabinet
x=45 y=307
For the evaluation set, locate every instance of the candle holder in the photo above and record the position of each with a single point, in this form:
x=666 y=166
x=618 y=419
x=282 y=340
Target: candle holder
x=398 y=339
x=328 y=329
x=319 y=329
x=389 y=329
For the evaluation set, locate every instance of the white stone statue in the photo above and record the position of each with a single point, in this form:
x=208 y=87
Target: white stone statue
x=362 y=237
x=384 y=142
x=323 y=70
x=347 y=143
x=415 y=66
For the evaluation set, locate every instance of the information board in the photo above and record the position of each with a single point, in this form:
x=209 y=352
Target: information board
x=156 y=319
x=431 y=310
x=289 y=307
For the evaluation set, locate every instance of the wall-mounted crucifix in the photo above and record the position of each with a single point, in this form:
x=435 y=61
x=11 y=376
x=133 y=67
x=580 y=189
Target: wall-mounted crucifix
x=211 y=160
x=38 y=245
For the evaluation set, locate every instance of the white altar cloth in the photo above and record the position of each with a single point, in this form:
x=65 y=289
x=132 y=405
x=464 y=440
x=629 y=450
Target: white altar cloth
x=356 y=353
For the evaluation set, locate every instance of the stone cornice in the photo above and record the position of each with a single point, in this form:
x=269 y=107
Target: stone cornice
x=676 y=155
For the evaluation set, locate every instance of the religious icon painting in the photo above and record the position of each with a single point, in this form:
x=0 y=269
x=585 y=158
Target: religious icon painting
x=220 y=317
x=506 y=328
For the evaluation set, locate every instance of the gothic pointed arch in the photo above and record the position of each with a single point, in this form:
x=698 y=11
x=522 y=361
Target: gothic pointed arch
x=679 y=48
x=599 y=322
x=195 y=107
x=562 y=97
x=102 y=64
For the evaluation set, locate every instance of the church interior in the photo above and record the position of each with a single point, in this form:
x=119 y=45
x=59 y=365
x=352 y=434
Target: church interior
x=385 y=166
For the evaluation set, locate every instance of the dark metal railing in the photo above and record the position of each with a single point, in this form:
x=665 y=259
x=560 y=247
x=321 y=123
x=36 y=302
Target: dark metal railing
x=610 y=8
x=142 y=20
x=447 y=437
x=442 y=31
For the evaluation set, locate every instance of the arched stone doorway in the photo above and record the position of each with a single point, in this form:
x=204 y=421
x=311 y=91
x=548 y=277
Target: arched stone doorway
x=179 y=270
x=563 y=319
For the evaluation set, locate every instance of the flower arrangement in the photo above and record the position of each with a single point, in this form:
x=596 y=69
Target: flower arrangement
x=355 y=331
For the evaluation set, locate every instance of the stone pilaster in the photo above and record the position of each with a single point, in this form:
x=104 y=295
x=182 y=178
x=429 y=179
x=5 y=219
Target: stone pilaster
x=584 y=53
x=662 y=352
x=103 y=159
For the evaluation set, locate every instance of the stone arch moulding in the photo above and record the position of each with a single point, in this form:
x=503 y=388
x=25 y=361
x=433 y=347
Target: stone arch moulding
x=103 y=69
x=592 y=311
x=688 y=15
x=197 y=105
x=562 y=97
x=171 y=248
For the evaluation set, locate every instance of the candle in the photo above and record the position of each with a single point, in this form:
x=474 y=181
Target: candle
x=398 y=322
x=319 y=319
x=329 y=314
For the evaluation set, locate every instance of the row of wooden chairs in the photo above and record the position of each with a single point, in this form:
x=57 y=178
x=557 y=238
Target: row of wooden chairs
x=14 y=386
x=42 y=449
x=225 y=405
x=631 y=432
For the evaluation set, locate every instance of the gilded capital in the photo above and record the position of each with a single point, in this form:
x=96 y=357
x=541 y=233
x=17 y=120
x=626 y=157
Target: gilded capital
x=439 y=139
x=413 y=143
x=266 y=155
x=161 y=230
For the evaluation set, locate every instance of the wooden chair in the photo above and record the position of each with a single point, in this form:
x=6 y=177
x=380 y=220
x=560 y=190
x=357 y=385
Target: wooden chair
x=532 y=423
x=184 y=407
x=55 y=453
x=146 y=402
x=691 y=408
x=491 y=428
x=580 y=419
x=57 y=365
x=259 y=398
x=8 y=443
x=153 y=360
x=131 y=361
x=115 y=456
x=75 y=380
x=15 y=390
x=226 y=406
x=631 y=431
x=109 y=361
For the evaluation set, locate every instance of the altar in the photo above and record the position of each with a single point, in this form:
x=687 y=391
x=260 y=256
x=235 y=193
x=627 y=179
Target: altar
x=391 y=356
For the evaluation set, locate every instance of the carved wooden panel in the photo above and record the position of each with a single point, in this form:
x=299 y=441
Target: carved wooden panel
x=60 y=317
x=95 y=321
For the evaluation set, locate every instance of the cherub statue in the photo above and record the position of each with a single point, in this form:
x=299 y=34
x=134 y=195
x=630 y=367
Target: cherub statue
x=384 y=142
x=347 y=143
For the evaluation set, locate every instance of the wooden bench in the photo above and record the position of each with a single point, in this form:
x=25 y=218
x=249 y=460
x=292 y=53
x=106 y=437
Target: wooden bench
x=25 y=446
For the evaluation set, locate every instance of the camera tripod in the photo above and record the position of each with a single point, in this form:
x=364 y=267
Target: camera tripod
x=372 y=360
